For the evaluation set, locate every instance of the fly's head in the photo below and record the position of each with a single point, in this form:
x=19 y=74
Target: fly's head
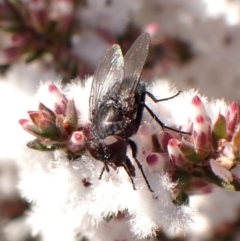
x=110 y=150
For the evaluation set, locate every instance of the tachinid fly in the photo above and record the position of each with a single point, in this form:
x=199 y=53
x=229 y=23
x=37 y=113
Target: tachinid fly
x=117 y=100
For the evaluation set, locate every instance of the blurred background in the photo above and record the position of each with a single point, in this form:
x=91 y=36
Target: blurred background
x=195 y=44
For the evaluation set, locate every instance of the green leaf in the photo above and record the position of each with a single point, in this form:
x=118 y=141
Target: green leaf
x=236 y=139
x=33 y=55
x=219 y=130
x=156 y=145
x=189 y=153
x=71 y=115
x=37 y=145
x=182 y=178
x=234 y=185
x=181 y=199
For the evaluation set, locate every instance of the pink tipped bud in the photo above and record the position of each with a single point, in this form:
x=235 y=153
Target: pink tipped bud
x=157 y=162
x=152 y=28
x=232 y=119
x=199 y=186
x=21 y=39
x=175 y=153
x=198 y=109
x=59 y=99
x=153 y=159
x=163 y=139
x=62 y=13
x=38 y=13
x=76 y=142
x=10 y=55
x=37 y=116
x=49 y=130
x=77 y=138
x=202 y=136
x=144 y=142
x=28 y=126
x=221 y=171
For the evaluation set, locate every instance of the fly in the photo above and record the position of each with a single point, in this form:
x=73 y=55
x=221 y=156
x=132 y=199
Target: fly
x=116 y=102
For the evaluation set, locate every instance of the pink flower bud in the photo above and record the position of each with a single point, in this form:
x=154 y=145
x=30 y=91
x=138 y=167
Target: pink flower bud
x=9 y=55
x=21 y=39
x=202 y=136
x=152 y=28
x=76 y=142
x=198 y=109
x=232 y=119
x=62 y=13
x=77 y=138
x=175 y=153
x=60 y=100
x=38 y=13
x=144 y=142
x=37 y=116
x=29 y=127
x=48 y=129
x=199 y=186
x=157 y=162
x=163 y=139
x=221 y=171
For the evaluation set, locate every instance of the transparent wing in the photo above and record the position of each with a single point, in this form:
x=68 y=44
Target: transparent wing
x=109 y=75
x=134 y=61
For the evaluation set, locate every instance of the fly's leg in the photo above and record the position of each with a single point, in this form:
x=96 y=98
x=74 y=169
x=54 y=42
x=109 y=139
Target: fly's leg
x=125 y=165
x=158 y=100
x=100 y=177
x=127 y=169
x=104 y=168
x=156 y=118
x=134 y=153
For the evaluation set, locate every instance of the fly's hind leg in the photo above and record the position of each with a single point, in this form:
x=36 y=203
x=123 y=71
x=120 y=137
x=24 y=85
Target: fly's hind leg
x=129 y=170
x=134 y=153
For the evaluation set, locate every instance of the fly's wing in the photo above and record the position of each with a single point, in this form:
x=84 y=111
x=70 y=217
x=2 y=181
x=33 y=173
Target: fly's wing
x=108 y=76
x=134 y=61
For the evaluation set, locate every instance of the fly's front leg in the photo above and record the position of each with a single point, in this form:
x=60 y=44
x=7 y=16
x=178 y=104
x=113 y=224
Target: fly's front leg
x=154 y=115
x=158 y=100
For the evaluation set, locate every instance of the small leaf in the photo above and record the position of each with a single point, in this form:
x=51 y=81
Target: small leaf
x=182 y=178
x=50 y=113
x=181 y=199
x=33 y=55
x=156 y=145
x=234 y=185
x=188 y=152
x=49 y=130
x=219 y=130
x=37 y=145
x=236 y=138
x=163 y=139
x=71 y=115
x=221 y=171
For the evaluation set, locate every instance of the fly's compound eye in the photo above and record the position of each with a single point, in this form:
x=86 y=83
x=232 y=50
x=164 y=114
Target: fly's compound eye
x=115 y=149
x=95 y=149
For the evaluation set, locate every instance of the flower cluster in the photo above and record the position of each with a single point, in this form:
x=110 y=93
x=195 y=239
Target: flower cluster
x=57 y=128
x=204 y=157
x=38 y=28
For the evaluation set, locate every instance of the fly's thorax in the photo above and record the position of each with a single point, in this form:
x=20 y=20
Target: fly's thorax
x=109 y=119
x=109 y=111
